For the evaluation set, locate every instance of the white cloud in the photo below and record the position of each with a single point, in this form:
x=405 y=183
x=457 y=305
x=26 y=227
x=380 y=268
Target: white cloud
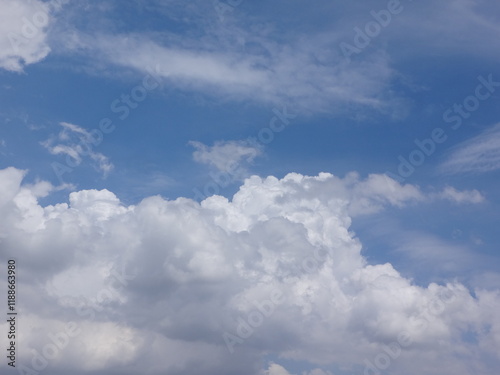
x=227 y=156
x=273 y=73
x=275 y=369
x=478 y=155
x=466 y=196
x=76 y=143
x=435 y=255
x=377 y=191
x=254 y=55
x=465 y=27
x=163 y=281
x=23 y=33
x=317 y=371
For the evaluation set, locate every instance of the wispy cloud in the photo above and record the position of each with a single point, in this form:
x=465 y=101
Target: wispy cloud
x=465 y=196
x=76 y=143
x=225 y=156
x=478 y=155
x=272 y=73
x=243 y=59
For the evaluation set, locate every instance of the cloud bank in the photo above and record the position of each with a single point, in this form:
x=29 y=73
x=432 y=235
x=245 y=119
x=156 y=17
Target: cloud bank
x=185 y=287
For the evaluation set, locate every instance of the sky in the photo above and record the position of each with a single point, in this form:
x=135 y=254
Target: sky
x=250 y=187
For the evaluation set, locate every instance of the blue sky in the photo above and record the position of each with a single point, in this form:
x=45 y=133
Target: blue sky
x=105 y=105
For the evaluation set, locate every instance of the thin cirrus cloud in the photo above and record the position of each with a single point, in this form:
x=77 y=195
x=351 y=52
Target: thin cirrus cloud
x=161 y=298
x=236 y=60
x=289 y=69
x=281 y=75
x=463 y=26
x=480 y=154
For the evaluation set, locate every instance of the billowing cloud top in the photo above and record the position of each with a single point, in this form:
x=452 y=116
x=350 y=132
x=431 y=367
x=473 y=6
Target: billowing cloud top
x=183 y=287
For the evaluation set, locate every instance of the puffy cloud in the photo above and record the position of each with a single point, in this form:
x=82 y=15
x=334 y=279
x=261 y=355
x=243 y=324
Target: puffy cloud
x=11 y=180
x=275 y=369
x=23 y=32
x=178 y=286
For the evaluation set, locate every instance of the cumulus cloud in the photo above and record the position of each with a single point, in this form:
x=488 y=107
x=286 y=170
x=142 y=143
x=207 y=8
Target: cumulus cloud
x=76 y=143
x=275 y=369
x=182 y=287
x=23 y=32
x=478 y=155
